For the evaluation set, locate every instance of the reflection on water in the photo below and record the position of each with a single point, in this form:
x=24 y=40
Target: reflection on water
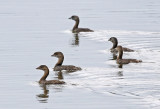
x=60 y=75
x=120 y=73
x=114 y=56
x=42 y=98
x=75 y=40
x=120 y=65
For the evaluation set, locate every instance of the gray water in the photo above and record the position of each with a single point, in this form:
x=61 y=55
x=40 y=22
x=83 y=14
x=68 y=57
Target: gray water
x=32 y=30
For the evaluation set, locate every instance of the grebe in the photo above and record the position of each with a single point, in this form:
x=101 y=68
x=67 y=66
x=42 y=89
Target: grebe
x=124 y=61
x=46 y=73
x=75 y=28
x=59 y=66
x=115 y=44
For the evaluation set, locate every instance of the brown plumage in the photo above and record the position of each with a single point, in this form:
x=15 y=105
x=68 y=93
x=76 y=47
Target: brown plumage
x=75 y=28
x=115 y=44
x=124 y=61
x=46 y=73
x=59 y=66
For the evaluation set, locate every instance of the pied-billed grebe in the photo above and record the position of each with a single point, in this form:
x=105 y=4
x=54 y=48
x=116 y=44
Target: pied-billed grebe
x=115 y=44
x=46 y=73
x=124 y=61
x=59 y=66
x=75 y=28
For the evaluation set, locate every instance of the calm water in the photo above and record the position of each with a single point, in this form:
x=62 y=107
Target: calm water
x=32 y=30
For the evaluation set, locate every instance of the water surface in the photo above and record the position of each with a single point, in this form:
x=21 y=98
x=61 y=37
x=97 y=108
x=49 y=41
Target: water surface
x=31 y=31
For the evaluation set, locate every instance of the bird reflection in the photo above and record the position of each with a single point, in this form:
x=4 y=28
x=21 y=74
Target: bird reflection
x=75 y=40
x=114 y=56
x=120 y=73
x=120 y=65
x=42 y=98
x=60 y=75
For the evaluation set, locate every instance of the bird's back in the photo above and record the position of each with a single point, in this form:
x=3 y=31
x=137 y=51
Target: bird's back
x=127 y=61
x=82 y=30
x=69 y=68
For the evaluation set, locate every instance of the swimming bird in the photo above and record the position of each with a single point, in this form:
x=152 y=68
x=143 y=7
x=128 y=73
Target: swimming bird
x=46 y=73
x=59 y=66
x=115 y=44
x=75 y=28
x=124 y=61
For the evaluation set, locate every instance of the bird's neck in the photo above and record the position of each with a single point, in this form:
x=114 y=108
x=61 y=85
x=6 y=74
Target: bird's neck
x=120 y=54
x=46 y=73
x=115 y=44
x=76 y=25
x=60 y=61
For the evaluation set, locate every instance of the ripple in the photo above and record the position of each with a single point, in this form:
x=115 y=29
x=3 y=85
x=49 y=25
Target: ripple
x=135 y=80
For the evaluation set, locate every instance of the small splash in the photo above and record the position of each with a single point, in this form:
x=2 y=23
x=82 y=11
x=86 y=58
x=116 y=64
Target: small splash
x=104 y=51
x=67 y=31
x=34 y=83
